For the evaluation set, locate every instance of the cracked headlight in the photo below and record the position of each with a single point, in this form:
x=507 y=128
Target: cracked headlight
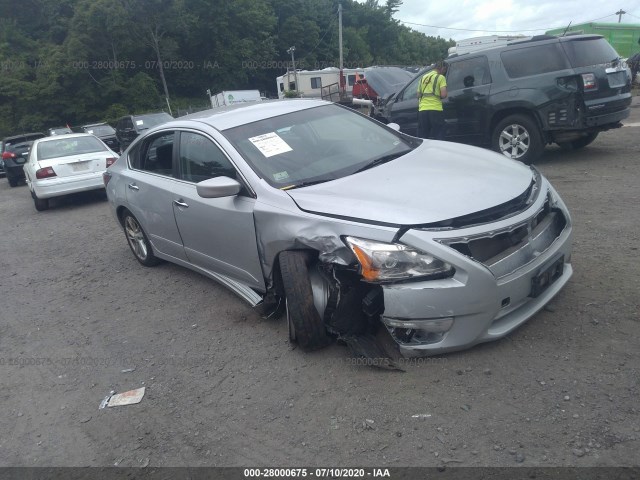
x=385 y=262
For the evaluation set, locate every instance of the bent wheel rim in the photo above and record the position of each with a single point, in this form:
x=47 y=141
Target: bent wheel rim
x=135 y=238
x=514 y=141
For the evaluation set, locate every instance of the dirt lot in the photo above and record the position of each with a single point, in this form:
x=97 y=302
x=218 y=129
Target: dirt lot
x=225 y=388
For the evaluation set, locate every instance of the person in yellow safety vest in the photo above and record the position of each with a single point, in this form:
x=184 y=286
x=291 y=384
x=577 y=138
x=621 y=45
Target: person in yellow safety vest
x=432 y=89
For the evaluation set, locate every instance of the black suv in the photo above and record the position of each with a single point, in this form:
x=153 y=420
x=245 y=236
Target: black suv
x=518 y=97
x=15 y=151
x=104 y=132
x=129 y=127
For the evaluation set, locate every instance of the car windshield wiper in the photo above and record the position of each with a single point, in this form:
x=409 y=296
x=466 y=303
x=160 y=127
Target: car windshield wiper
x=381 y=160
x=305 y=184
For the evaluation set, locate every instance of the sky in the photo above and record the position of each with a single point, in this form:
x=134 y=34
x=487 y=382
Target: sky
x=497 y=17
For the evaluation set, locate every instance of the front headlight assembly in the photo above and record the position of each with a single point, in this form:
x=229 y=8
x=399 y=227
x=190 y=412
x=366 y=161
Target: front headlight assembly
x=388 y=262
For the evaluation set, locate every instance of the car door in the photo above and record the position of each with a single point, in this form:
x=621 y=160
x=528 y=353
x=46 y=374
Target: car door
x=404 y=110
x=218 y=233
x=466 y=107
x=150 y=185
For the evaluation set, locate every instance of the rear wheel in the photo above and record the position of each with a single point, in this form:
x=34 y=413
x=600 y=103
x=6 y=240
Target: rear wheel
x=41 y=204
x=305 y=325
x=138 y=241
x=579 y=143
x=518 y=137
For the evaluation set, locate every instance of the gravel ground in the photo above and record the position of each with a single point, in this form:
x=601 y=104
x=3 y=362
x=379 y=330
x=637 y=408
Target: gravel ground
x=225 y=388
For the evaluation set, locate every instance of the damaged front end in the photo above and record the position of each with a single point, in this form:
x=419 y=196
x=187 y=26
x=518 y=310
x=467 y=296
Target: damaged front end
x=432 y=288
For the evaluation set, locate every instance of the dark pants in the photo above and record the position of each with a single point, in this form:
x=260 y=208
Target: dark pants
x=431 y=124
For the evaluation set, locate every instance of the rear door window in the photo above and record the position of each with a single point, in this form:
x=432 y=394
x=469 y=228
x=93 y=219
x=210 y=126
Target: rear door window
x=156 y=155
x=534 y=60
x=471 y=72
x=588 y=52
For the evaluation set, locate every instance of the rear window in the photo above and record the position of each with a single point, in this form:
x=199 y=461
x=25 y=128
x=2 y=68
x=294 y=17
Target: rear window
x=68 y=147
x=100 y=130
x=534 y=60
x=584 y=53
x=143 y=123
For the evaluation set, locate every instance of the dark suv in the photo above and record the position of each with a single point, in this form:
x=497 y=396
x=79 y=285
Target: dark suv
x=129 y=127
x=15 y=151
x=104 y=132
x=518 y=97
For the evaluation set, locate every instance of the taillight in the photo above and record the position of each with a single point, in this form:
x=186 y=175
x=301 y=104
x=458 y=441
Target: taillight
x=7 y=155
x=106 y=176
x=46 y=172
x=111 y=161
x=589 y=82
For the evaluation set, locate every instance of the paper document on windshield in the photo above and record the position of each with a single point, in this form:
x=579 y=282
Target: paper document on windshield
x=270 y=144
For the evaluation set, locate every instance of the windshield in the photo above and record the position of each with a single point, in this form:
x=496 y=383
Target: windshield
x=100 y=130
x=588 y=52
x=142 y=123
x=66 y=147
x=317 y=144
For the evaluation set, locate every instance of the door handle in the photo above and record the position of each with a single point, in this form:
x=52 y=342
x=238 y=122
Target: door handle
x=133 y=186
x=181 y=203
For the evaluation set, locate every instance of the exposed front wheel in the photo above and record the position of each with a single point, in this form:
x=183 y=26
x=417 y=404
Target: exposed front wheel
x=519 y=138
x=138 y=241
x=13 y=182
x=305 y=325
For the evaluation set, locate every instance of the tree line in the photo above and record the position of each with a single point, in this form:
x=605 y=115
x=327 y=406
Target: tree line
x=75 y=61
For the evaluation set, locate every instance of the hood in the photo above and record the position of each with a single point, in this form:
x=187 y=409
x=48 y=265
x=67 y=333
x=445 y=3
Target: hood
x=437 y=181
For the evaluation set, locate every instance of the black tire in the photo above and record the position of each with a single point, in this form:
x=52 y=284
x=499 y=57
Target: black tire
x=579 y=143
x=41 y=204
x=13 y=182
x=519 y=138
x=138 y=241
x=305 y=325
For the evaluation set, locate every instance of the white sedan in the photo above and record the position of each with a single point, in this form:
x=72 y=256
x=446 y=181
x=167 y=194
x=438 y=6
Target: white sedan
x=62 y=165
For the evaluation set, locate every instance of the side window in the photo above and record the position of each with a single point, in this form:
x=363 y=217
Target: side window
x=156 y=154
x=281 y=87
x=471 y=72
x=316 y=82
x=351 y=80
x=201 y=159
x=523 y=62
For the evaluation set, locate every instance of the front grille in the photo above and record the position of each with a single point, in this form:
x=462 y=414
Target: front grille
x=505 y=251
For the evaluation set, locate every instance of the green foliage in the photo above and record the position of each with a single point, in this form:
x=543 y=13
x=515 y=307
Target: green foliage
x=78 y=61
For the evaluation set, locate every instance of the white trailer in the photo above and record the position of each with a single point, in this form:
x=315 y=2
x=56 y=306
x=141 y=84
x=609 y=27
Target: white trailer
x=309 y=83
x=469 y=45
x=230 y=97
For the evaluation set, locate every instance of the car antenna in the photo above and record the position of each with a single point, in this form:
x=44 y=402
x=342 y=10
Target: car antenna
x=565 y=30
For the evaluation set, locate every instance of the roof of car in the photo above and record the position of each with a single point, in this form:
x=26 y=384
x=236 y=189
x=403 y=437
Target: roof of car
x=231 y=116
x=94 y=124
x=13 y=137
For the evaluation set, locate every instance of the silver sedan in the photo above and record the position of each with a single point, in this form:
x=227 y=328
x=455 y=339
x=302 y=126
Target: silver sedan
x=351 y=228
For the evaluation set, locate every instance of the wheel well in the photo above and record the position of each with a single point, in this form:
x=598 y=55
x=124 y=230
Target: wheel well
x=276 y=274
x=120 y=213
x=502 y=114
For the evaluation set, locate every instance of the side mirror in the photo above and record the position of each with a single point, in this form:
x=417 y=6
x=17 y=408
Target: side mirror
x=218 y=187
x=394 y=126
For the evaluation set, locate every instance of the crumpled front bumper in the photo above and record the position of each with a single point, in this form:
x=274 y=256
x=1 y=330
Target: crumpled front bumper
x=485 y=299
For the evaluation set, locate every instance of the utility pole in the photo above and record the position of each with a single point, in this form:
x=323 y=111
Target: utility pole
x=620 y=13
x=293 y=63
x=341 y=80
